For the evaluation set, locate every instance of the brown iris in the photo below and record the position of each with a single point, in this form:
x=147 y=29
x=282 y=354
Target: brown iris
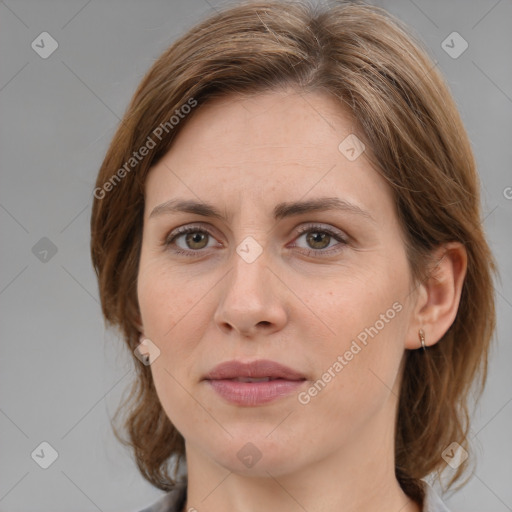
x=317 y=239
x=196 y=238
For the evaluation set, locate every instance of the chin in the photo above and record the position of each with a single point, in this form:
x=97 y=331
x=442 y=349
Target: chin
x=256 y=456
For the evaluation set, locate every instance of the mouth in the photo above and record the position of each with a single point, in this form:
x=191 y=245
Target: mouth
x=254 y=383
x=260 y=369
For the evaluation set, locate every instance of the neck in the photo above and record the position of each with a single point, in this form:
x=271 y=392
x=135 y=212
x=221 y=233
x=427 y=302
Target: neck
x=358 y=477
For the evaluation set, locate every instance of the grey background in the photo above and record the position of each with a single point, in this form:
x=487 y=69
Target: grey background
x=61 y=374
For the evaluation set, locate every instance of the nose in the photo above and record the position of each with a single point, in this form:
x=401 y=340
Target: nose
x=252 y=299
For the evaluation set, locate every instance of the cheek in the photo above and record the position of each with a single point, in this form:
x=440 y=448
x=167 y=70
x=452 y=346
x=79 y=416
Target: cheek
x=357 y=369
x=172 y=309
x=357 y=382
x=167 y=298
x=170 y=319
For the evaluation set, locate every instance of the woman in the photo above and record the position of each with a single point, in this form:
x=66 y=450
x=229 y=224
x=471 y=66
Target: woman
x=286 y=228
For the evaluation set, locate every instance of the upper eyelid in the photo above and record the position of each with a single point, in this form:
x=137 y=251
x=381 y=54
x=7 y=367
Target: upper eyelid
x=330 y=229
x=182 y=230
x=303 y=227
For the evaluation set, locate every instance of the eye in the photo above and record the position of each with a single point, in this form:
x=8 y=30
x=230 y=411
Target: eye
x=192 y=240
x=188 y=240
x=319 y=238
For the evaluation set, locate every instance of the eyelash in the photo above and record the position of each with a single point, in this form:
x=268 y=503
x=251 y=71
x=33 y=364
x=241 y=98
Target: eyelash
x=169 y=240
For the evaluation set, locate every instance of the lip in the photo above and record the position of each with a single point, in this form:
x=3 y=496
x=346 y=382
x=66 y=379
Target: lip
x=285 y=381
x=255 y=369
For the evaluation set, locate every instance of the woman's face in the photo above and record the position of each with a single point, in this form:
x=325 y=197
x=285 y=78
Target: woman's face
x=324 y=291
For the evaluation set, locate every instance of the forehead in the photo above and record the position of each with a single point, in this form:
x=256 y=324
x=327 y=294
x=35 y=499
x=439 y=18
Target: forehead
x=273 y=122
x=279 y=144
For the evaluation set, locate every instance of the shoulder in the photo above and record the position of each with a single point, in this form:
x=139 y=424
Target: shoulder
x=433 y=502
x=173 y=501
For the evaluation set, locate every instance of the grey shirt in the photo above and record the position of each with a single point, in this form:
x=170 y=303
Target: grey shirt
x=174 y=501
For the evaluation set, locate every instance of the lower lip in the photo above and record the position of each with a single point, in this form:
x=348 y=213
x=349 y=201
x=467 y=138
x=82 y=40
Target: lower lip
x=254 y=393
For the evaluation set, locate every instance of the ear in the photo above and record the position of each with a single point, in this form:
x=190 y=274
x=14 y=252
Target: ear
x=438 y=296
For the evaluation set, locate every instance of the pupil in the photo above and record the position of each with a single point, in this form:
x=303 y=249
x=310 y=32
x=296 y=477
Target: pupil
x=317 y=240
x=196 y=238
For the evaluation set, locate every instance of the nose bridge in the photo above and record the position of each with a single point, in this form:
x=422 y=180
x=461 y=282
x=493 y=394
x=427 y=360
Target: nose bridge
x=250 y=275
x=248 y=298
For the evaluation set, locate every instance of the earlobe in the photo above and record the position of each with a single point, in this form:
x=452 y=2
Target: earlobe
x=439 y=296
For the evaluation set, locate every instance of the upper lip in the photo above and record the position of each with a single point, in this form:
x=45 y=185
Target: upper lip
x=255 y=369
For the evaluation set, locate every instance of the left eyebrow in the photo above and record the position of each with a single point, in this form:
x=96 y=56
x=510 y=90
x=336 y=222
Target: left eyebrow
x=281 y=210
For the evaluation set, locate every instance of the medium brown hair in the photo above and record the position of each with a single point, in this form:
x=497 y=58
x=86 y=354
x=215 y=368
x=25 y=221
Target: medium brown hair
x=364 y=58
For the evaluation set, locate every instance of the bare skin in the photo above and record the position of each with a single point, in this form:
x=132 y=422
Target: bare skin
x=302 y=302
